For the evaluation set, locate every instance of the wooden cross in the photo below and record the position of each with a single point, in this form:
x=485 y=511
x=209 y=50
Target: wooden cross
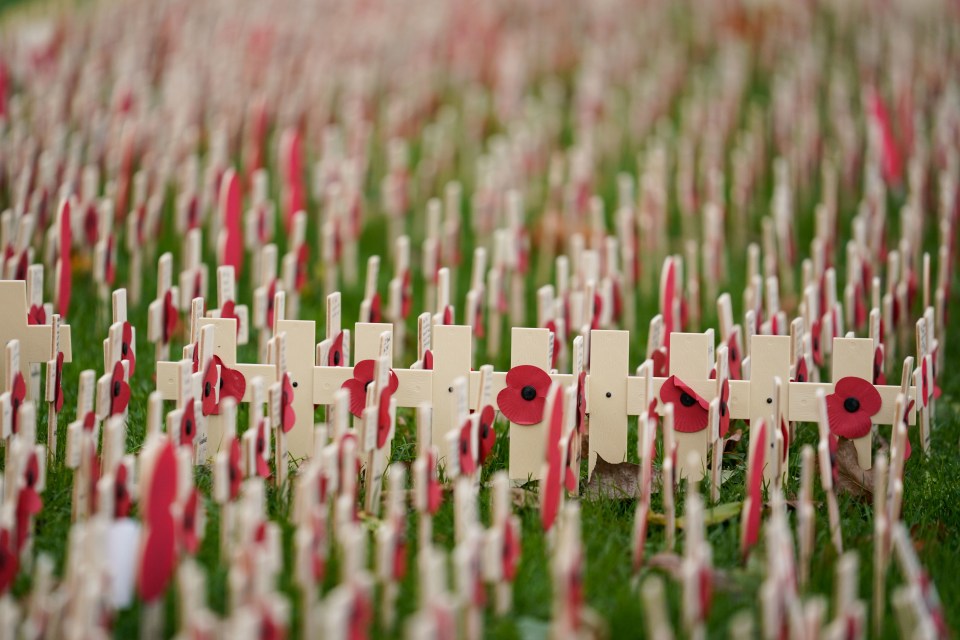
x=36 y=343
x=300 y=364
x=753 y=399
x=451 y=345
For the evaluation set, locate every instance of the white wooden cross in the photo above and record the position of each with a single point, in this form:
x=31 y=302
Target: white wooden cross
x=300 y=364
x=36 y=344
x=754 y=399
x=451 y=346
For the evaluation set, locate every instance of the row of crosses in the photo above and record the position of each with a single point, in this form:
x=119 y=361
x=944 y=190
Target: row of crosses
x=610 y=394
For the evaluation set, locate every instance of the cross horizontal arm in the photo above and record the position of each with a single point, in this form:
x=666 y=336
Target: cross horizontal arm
x=802 y=405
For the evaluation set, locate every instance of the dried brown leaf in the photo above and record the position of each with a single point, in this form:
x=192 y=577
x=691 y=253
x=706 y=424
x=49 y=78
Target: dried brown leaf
x=522 y=497
x=620 y=481
x=852 y=479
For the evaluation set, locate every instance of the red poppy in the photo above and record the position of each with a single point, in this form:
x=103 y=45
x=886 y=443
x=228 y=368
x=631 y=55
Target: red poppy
x=219 y=382
x=189 y=537
x=465 y=449
x=170 y=316
x=448 y=315
x=487 y=435
x=906 y=423
x=689 y=409
x=597 y=310
x=18 y=393
x=363 y=373
x=287 y=415
x=754 y=502
x=551 y=484
x=734 y=357
x=406 y=294
x=801 y=374
x=724 y=408
x=23 y=264
x=127 y=347
x=816 y=329
x=706 y=592
x=525 y=395
x=552 y=327
x=303 y=264
x=188 y=424
x=9 y=561
x=925 y=386
x=335 y=355
x=851 y=405
x=384 y=419
x=510 y=550
x=230 y=203
x=661 y=361
x=376 y=314
x=617 y=300
x=29 y=503
x=581 y=402
x=428 y=360
x=360 y=616
x=574 y=579
x=270 y=629
x=318 y=556
x=879 y=377
x=263 y=469
x=58 y=384
x=572 y=466
x=234 y=470
x=121 y=493
x=229 y=312
x=119 y=390
x=158 y=553
x=785 y=432
x=479 y=327
x=36 y=315
x=399 y=564
x=271 y=301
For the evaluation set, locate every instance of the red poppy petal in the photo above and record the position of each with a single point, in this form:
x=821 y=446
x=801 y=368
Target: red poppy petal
x=467 y=463
x=358 y=395
x=518 y=410
x=364 y=370
x=844 y=423
x=528 y=375
x=488 y=435
x=335 y=356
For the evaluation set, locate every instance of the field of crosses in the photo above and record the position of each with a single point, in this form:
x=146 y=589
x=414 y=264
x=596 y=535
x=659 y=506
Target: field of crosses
x=449 y=319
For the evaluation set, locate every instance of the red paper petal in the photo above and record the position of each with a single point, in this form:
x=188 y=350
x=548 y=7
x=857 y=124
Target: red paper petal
x=288 y=416
x=335 y=356
x=467 y=464
x=188 y=424
x=487 y=433
x=127 y=347
x=690 y=411
x=119 y=391
x=518 y=410
x=208 y=392
x=383 y=417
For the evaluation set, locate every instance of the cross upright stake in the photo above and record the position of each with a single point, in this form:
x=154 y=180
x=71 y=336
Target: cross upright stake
x=607 y=395
x=691 y=357
x=769 y=360
x=36 y=341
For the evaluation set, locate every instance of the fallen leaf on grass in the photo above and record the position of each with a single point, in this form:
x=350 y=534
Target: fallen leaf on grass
x=620 y=481
x=851 y=478
x=715 y=515
x=522 y=497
